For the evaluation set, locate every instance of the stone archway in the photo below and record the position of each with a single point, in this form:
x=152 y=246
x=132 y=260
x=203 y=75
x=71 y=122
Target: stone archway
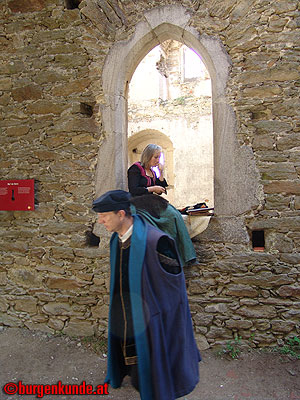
x=235 y=178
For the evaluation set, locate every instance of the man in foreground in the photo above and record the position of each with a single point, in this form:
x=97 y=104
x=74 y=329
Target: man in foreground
x=150 y=333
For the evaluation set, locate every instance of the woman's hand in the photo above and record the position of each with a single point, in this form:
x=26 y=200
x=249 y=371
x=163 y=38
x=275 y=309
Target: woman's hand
x=161 y=167
x=161 y=171
x=156 y=189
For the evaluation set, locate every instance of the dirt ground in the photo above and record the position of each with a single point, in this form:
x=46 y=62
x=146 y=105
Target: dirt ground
x=38 y=358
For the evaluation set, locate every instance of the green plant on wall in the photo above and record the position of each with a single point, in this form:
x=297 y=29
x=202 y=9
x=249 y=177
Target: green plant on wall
x=291 y=347
x=232 y=348
x=179 y=101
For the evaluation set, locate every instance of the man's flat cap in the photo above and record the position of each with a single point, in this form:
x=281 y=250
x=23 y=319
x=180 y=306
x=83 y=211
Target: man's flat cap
x=112 y=201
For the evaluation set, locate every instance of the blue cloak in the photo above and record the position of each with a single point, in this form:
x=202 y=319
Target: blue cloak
x=166 y=349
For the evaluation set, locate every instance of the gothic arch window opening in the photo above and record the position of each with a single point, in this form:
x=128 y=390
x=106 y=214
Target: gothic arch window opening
x=235 y=189
x=164 y=103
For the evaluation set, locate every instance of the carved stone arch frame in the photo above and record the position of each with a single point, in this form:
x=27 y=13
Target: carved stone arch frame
x=235 y=183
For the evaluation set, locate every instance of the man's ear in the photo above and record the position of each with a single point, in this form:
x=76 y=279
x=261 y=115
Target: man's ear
x=122 y=213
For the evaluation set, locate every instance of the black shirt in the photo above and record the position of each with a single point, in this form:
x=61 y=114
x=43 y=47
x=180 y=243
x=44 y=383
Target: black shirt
x=137 y=183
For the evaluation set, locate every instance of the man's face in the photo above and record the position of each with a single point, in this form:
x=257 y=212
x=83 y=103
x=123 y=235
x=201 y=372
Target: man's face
x=112 y=221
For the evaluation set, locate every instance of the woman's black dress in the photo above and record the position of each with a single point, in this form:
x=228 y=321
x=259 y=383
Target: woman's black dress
x=137 y=183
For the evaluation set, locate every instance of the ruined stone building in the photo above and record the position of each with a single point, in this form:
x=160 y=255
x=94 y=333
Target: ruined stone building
x=66 y=122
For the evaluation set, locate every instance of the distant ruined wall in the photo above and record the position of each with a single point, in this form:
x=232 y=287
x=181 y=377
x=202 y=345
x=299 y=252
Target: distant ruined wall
x=52 y=130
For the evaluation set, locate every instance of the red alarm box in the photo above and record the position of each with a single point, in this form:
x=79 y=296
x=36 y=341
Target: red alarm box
x=17 y=195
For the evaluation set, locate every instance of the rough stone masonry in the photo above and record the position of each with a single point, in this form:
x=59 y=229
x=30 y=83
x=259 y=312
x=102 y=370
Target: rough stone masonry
x=52 y=127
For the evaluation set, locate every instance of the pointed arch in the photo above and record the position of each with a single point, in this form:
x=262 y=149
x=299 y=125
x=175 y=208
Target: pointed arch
x=235 y=189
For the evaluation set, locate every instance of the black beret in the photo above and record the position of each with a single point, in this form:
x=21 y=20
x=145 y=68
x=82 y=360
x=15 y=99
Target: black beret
x=112 y=201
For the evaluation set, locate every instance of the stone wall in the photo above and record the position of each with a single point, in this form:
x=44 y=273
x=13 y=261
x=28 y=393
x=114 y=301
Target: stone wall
x=51 y=89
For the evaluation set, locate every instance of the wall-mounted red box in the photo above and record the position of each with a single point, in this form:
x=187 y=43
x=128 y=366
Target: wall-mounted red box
x=17 y=195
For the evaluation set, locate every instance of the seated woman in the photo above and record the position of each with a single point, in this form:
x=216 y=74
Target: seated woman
x=156 y=210
x=141 y=176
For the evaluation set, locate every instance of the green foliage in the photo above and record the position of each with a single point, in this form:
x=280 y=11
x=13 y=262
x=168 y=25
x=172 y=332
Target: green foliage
x=291 y=347
x=179 y=101
x=96 y=344
x=232 y=348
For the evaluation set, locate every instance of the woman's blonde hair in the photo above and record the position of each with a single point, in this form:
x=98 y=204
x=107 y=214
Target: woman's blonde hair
x=148 y=153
